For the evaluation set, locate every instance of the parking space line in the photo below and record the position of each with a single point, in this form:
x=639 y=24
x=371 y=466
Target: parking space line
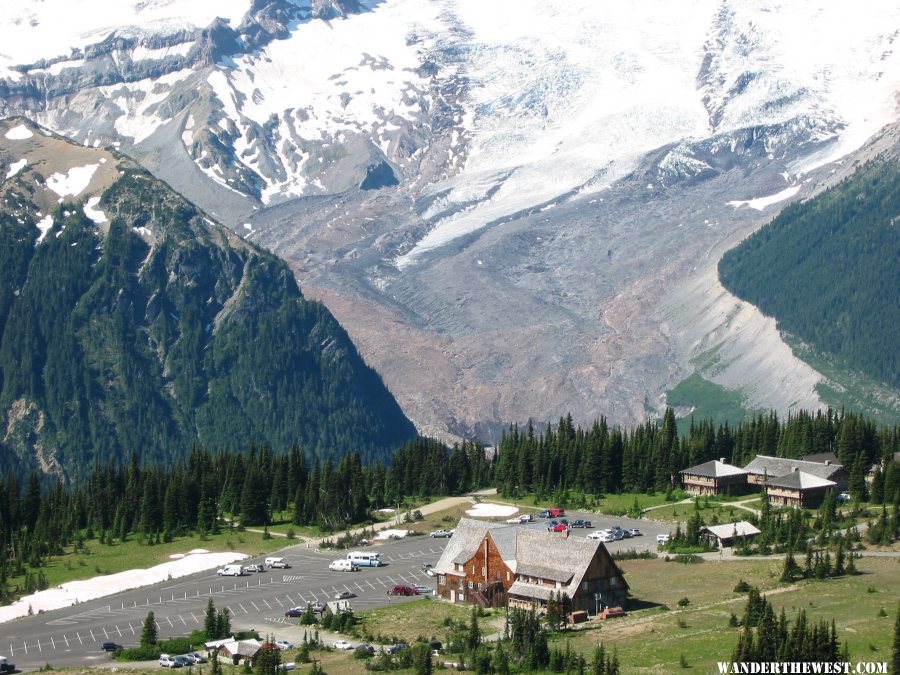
x=254 y=605
x=267 y=603
x=242 y=607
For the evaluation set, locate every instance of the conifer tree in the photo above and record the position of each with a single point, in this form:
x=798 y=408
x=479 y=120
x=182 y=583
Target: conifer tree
x=149 y=631
x=895 y=659
x=210 y=624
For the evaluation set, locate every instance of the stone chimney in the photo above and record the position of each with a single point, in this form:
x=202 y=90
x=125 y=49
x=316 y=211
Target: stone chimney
x=827 y=462
x=722 y=459
x=795 y=469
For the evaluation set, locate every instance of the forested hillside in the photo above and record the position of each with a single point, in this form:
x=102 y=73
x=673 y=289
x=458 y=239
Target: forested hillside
x=157 y=330
x=603 y=459
x=828 y=271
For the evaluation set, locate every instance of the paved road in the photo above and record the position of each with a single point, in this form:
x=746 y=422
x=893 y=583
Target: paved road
x=71 y=636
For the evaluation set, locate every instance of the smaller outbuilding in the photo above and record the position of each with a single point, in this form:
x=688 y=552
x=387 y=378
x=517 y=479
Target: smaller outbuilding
x=715 y=477
x=336 y=607
x=238 y=651
x=730 y=533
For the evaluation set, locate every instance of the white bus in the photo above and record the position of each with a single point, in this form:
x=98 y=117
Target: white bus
x=365 y=559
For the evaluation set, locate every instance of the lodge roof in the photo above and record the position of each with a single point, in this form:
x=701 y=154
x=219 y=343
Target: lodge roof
x=799 y=480
x=772 y=467
x=714 y=469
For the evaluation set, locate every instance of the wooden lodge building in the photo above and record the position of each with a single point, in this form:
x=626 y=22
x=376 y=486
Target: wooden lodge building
x=764 y=468
x=799 y=489
x=715 y=477
x=494 y=564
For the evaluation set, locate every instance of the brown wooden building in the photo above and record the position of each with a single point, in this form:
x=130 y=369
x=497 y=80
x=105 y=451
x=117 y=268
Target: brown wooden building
x=764 y=468
x=494 y=564
x=715 y=477
x=798 y=489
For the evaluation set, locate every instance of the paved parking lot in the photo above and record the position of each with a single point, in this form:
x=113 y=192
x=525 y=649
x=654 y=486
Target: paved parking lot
x=72 y=636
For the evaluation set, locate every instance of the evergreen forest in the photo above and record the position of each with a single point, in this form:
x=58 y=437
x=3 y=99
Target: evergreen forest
x=827 y=269
x=111 y=344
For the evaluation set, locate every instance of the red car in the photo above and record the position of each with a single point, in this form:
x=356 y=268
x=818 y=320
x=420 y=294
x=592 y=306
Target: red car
x=403 y=590
x=556 y=512
x=559 y=527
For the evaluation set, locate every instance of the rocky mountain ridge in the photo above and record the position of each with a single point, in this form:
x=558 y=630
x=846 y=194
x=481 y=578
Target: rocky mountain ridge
x=129 y=320
x=515 y=193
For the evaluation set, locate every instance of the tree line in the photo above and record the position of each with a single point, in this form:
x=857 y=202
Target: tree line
x=602 y=459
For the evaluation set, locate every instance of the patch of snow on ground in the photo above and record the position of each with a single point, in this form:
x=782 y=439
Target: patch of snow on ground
x=145 y=231
x=44 y=225
x=19 y=133
x=69 y=593
x=761 y=203
x=483 y=510
x=73 y=182
x=16 y=167
x=92 y=212
x=391 y=534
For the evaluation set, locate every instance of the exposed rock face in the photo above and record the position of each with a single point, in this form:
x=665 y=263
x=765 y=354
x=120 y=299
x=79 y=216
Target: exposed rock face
x=514 y=207
x=130 y=320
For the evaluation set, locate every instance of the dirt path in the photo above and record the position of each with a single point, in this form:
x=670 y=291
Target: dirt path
x=427 y=509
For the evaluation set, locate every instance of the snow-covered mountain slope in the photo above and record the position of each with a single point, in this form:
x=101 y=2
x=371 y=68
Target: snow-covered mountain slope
x=512 y=186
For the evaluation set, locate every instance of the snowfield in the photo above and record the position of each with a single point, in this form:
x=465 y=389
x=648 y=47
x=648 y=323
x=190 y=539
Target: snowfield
x=483 y=510
x=19 y=133
x=66 y=595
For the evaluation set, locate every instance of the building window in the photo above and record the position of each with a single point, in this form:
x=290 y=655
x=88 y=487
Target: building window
x=441 y=580
x=507 y=575
x=473 y=569
x=484 y=571
x=584 y=585
x=471 y=585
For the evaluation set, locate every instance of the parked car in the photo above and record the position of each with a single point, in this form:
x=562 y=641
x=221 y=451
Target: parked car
x=582 y=523
x=559 y=527
x=556 y=512
x=198 y=657
x=402 y=589
x=276 y=562
x=342 y=644
x=284 y=644
x=295 y=612
x=184 y=661
x=255 y=568
x=366 y=649
x=626 y=534
x=190 y=658
x=544 y=514
x=428 y=568
x=7 y=666
x=513 y=521
x=634 y=532
x=526 y=518
x=843 y=497
x=436 y=645
x=422 y=588
x=438 y=534
x=344 y=595
x=167 y=661
x=601 y=535
x=662 y=539
x=317 y=607
x=393 y=649
x=110 y=646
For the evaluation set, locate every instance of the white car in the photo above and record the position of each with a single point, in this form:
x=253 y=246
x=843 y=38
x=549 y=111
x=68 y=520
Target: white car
x=662 y=539
x=167 y=661
x=601 y=535
x=423 y=589
x=634 y=532
x=284 y=644
x=438 y=534
x=342 y=644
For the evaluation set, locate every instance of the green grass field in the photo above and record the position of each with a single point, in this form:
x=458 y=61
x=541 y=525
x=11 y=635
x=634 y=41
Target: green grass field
x=709 y=400
x=615 y=504
x=101 y=559
x=683 y=512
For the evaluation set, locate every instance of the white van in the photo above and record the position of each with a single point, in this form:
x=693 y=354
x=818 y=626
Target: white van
x=277 y=563
x=342 y=566
x=231 y=571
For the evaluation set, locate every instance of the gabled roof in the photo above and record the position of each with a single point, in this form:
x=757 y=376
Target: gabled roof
x=780 y=466
x=740 y=529
x=530 y=551
x=247 y=648
x=799 y=480
x=714 y=469
x=821 y=458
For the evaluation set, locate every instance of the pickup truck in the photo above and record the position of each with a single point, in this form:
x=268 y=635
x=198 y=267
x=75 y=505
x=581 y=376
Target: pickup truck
x=6 y=666
x=524 y=518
